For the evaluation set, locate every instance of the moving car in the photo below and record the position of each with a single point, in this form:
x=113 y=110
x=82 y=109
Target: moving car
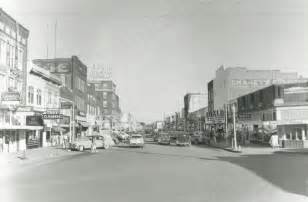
x=136 y=140
x=85 y=142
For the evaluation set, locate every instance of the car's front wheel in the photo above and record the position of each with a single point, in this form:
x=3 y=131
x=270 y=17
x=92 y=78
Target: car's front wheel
x=81 y=148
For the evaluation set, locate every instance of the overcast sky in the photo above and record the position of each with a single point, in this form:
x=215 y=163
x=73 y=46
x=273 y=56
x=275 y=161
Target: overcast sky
x=161 y=49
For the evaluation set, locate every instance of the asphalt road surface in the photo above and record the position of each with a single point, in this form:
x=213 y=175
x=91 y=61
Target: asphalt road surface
x=161 y=173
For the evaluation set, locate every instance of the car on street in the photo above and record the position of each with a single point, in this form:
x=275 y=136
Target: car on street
x=136 y=140
x=164 y=138
x=197 y=138
x=183 y=139
x=85 y=142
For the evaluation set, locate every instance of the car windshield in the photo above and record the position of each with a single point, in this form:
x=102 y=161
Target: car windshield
x=136 y=137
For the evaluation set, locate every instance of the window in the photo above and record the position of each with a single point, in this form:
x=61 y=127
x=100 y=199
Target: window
x=30 y=94
x=8 y=53
x=105 y=104
x=38 y=97
x=105 y=95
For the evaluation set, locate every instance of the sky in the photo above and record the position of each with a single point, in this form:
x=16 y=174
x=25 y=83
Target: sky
x=159 y=50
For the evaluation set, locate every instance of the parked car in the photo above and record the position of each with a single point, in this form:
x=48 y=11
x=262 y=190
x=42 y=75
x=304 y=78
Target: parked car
x=164 y=138
x=85 y=142
x=183 y=139
x=197 y=138
x=173 y=140
x=136 y=140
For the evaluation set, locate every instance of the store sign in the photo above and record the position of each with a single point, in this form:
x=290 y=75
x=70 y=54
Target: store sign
x=52 y=116
x=10 y=96
x=24 y=109
x=66 y=105
x=65 y=120
x=34 y=121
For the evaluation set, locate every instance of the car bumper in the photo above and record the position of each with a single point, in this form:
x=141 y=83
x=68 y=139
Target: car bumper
x=136 y=144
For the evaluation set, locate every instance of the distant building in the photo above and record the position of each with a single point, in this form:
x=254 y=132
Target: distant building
x=281 y=109
x=13 y=83
x=194 y=102
x=110 y=109
x=230 y=83
x=93 y=107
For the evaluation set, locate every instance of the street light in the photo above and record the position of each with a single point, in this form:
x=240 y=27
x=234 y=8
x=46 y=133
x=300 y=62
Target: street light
x=72 y=119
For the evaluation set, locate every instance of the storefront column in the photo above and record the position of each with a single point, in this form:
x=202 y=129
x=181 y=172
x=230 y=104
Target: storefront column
x=44 y=141
x=22 y=140
x=303 y=134
x=296 y=135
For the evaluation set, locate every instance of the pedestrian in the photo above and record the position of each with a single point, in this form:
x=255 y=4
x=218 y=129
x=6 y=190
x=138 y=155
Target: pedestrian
x=93 y=145
x=65 y=141
x=274 y=141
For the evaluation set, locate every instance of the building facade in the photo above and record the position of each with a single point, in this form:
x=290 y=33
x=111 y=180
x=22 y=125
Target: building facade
x=110 y=109
x=73 y=74
x=230 y=83
x=43 y=96
x=13 y=82
x=277 y=109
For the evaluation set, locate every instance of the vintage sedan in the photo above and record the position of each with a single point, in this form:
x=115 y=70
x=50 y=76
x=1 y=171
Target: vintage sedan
x=183 y=139
x=136 y=140
x=85 y=142
x=164 y=138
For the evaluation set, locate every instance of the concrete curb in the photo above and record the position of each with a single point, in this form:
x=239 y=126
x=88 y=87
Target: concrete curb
x=225 y=148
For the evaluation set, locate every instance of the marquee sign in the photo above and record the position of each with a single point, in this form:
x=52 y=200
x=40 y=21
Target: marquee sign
x=52 y=116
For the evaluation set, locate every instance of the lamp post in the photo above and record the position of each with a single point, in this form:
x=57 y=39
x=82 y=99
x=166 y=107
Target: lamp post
x=234 y=127
x=72 y=117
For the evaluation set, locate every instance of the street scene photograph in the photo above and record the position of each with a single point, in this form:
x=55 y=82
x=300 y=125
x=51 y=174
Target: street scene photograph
x=154 y=101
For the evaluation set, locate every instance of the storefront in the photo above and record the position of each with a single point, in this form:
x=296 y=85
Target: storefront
x=293 y=135
x=18 y=138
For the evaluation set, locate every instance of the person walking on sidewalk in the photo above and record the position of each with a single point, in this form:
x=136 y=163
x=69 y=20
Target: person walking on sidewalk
x=93 y=146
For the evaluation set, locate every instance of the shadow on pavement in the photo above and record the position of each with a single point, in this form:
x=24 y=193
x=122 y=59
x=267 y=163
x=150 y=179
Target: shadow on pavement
x=287 y=171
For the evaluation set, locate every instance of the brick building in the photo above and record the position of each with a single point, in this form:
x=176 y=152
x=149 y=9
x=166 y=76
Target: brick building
x=73 y=74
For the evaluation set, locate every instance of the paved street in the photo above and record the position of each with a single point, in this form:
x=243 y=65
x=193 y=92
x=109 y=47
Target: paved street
x=162 y=173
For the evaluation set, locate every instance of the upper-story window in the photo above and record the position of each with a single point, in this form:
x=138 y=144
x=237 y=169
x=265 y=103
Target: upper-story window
x=38 y=96
x=30 y=94
x=105 y=95
x=105 y=104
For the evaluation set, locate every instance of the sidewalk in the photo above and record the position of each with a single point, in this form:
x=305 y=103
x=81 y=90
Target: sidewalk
x=259 y=149
x=33 y=156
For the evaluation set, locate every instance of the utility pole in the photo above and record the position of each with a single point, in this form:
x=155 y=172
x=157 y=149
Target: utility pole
x=234 y=127
x=226 y=122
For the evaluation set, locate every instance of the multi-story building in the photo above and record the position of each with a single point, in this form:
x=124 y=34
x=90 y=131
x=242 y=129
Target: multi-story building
x=13 y=81
x=106 y=90
x=73 y=74
x=192 y=103
x=281 y=109
x=43 y=94
x=93 y=107
x=233 y=82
